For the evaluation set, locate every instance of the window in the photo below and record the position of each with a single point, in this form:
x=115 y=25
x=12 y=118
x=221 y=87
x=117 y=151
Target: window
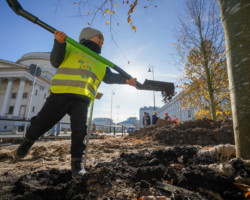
x=11 y=109
x=33 y=109
x=189 y=113
x=36 y=92
x=44 y=96
x=13 y=96
x=25 y=95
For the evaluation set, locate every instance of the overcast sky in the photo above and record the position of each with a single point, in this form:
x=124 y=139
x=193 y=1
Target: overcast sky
x=151 y=45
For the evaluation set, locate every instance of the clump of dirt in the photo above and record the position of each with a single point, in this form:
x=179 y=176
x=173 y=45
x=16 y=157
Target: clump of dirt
x=198 y=132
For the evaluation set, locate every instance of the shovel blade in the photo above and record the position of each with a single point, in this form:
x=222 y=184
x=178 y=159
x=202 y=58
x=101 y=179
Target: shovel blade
x=158 y=86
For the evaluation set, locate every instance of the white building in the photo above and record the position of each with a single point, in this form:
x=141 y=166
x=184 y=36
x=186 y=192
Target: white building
x=130 y=122
x=174 y=109
x=16 y=88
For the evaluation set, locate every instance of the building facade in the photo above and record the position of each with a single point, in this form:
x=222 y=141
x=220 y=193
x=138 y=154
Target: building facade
x=174 y=110
x=17 y=101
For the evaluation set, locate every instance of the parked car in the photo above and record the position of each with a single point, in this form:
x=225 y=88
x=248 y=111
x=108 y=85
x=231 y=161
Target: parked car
x=130 y=130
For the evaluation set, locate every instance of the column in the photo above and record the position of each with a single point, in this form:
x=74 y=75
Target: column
x=19 y=98
x=7 y=97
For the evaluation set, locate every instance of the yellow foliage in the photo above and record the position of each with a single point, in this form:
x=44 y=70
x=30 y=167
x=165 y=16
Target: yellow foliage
x=206 y=81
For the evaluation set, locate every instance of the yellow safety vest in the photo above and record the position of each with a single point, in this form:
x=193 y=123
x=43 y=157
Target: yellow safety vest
x=79 y=73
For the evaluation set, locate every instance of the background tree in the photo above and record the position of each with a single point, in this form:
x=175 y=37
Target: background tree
x=108 y=9
x=200 y=44
x=236 y=23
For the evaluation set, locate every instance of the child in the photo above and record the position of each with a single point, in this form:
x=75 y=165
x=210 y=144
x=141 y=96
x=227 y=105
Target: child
x=72 y=88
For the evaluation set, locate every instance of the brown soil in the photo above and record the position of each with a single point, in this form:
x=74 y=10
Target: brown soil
x=140 y=166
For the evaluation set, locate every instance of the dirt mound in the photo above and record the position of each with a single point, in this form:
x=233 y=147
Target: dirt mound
x=140 y=165
x=199 y=132
x=134 y=175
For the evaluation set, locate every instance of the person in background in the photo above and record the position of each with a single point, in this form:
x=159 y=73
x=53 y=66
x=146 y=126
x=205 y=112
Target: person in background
x=146 y=119
x=176 y=120
x=154 y=118
x=166 y=117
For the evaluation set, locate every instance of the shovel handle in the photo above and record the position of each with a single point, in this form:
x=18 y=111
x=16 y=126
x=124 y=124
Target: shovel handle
x=90 y=52
x=17 y=8
x=126 y=75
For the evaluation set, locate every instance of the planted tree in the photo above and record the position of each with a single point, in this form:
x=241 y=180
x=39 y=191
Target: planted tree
x=236 y=23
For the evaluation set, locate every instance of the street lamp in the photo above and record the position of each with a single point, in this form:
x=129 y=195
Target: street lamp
x=151 y=69
x=112 y=93
x=117 y=106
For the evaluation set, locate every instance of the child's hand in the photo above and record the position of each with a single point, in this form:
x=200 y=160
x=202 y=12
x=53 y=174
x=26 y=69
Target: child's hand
x=60 y=36
x=131 y=81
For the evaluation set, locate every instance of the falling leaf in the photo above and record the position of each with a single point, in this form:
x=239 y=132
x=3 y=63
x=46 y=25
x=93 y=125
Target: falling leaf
x=74 y=3
x=128 y=62
x=247 y=195
x=145 y=6
x=107 y=10
x=133 y=27
x=207 y=147
x=118 y=23
x=107 y=22
x=89 y=13
x=88 y=23
x=115 y=5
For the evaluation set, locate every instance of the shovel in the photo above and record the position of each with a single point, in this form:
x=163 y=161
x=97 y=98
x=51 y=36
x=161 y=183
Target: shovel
x=164 y=87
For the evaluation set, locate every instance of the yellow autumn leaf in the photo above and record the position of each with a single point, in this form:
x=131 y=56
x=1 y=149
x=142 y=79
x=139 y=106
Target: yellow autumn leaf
x=107 y=10
x=133 y=27
x=107 y=22
x=115 y=5
x=112 y=12
x=89 y=13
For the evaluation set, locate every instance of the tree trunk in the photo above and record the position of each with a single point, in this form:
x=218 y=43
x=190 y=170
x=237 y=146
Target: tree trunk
x=236 y=23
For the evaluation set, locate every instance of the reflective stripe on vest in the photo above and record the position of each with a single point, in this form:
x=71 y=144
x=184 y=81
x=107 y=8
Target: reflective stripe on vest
x=79 y=73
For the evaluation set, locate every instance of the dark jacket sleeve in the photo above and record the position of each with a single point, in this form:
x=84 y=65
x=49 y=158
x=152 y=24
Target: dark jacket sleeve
x=57 y=54
x=111 y=78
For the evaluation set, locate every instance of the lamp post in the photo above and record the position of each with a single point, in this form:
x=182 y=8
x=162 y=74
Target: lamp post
x=112 y=93
x=151 y=69
x=35 y=70
x=117 y=106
